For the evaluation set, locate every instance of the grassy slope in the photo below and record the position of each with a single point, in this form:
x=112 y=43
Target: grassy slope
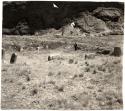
x=66 y=82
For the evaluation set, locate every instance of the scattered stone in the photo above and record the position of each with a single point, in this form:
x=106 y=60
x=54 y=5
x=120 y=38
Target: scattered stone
x=104 y=52
x=23 y=87
x=87 y=69
x=51 y=82
x=94 y=72
x=61 y=89
x=109 y=98
x=101 y=68
x=74 y=76
x=35 y=102
x=59 y=73
x=90 y=87
x=89 y=56
x=80 y=75
x=109 y=103
x=120 y=101
x=20 y=83
x=27 y=78
x=99 y=90
x=74 y=98
x=19 y=48
x=11 y=81
x=76 y=62
x=116 y=62
x=86 y=63
x=50 y=74
x=50 y=105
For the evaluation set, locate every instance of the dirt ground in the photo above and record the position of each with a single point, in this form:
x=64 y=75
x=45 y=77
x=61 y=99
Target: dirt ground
x=68 y=80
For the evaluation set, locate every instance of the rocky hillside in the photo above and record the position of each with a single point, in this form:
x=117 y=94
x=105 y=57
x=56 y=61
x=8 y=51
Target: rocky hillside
x=22 y=18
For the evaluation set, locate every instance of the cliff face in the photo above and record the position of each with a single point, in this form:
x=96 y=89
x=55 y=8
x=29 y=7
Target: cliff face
x=89 y=17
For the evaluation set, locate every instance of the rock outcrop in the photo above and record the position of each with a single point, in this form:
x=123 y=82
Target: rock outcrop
x=30 y=17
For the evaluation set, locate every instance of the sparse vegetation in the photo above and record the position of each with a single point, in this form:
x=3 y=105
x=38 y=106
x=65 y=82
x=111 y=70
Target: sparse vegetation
x=50 y=74
x=75 y=76
x=94 y=72
x=101 y=68
x=27 y=78
x=80 y=85
x=34 y=92
x=71 y=61
x=59 y=73
x=61 y=89
x=23 y=87
x=86 y=63
x=80 y=75
x=87 y=69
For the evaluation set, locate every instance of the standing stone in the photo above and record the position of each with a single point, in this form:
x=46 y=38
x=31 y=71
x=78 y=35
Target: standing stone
x=75 y=47
x=117 y=51
x=49 y=58
x=13 y=58
x=3 y=53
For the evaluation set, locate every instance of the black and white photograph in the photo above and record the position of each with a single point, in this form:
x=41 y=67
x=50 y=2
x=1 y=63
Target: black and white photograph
x=62 y=55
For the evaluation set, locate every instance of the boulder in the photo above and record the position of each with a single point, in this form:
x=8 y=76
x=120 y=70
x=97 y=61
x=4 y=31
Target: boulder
x=104 y=51
x=90 y=24
x=105 y=14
